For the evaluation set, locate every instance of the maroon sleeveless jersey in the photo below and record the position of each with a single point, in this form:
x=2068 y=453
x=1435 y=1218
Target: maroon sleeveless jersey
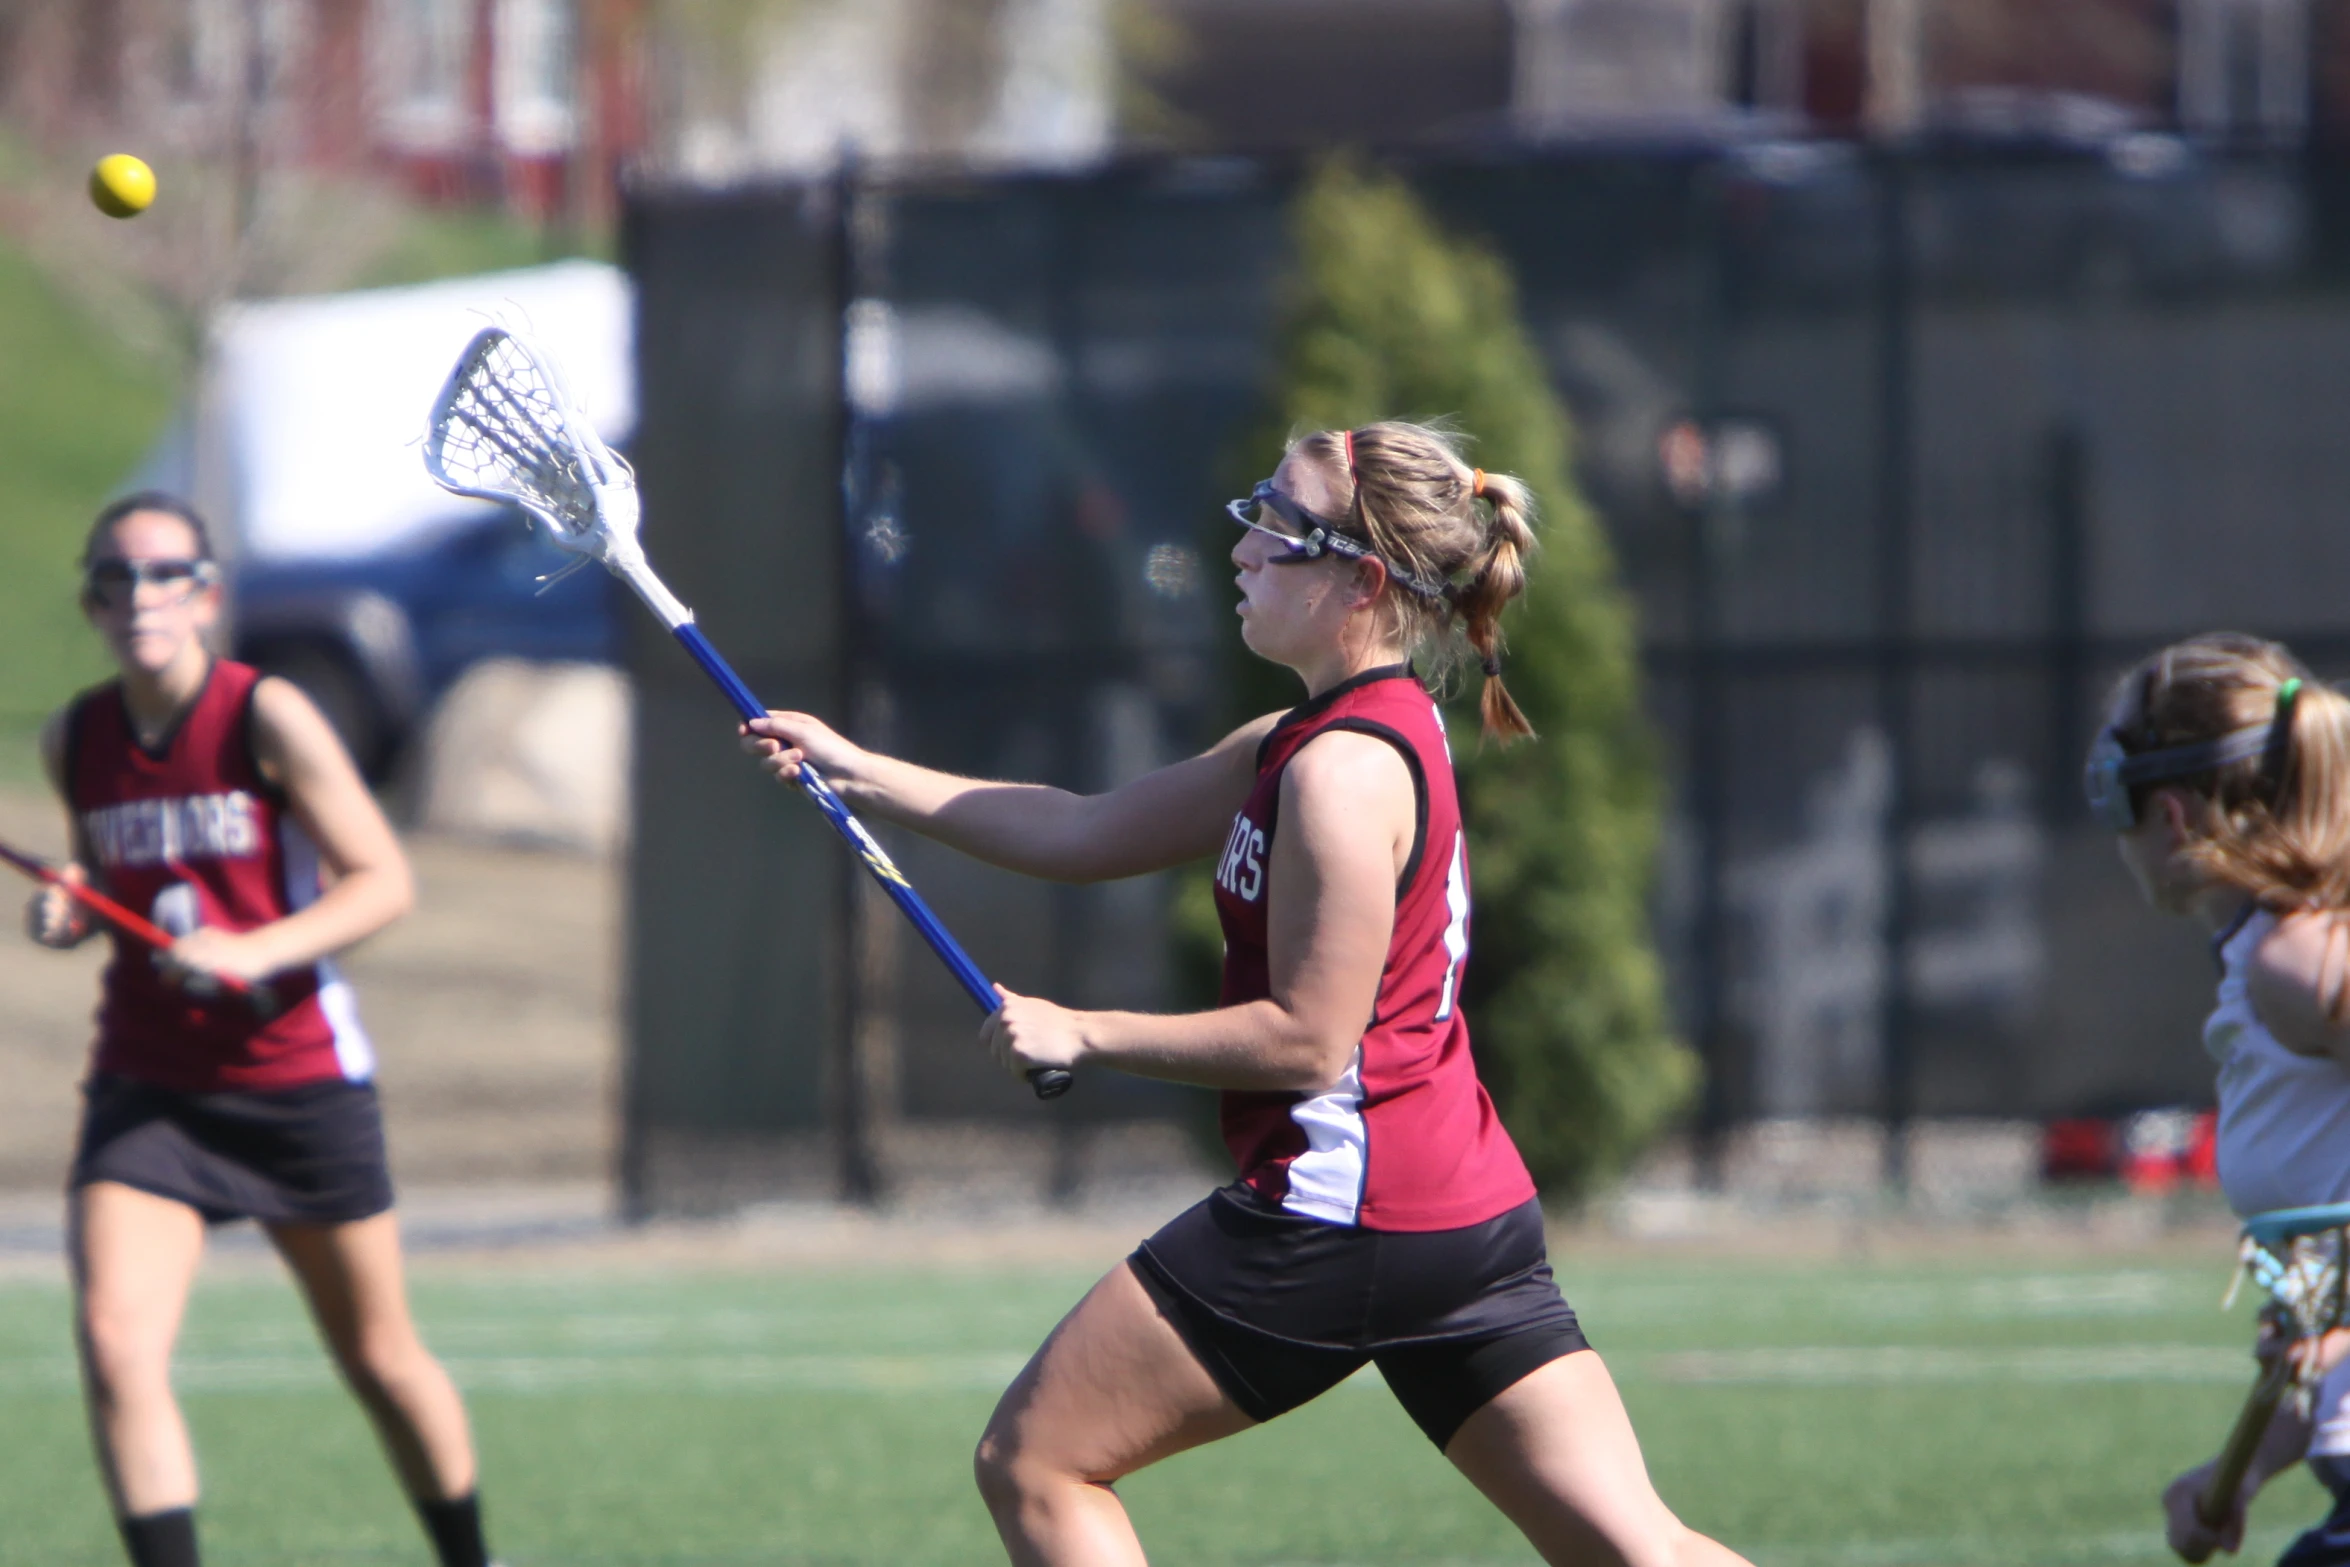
x=1407 y=1139
x=191 y=835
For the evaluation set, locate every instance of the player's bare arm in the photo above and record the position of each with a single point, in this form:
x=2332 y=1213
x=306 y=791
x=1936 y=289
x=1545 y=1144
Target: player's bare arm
x=369 y=881
x=1174 y=814
x=52 y=918
x=1348 y=813
x=2300 y=983
x=2282 y=1447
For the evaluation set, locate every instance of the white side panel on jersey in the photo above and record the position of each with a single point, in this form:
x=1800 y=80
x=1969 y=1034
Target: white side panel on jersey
x=1456 y=930
x=337 y=1002
x=354 y=1051
x=2331 y=1410
x=1326 y=1181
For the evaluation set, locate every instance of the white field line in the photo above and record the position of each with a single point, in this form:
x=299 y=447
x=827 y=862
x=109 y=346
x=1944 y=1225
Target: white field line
x=1876 y=1364
x=288 y=1363
x=565 y=1373
x=2081 y=1550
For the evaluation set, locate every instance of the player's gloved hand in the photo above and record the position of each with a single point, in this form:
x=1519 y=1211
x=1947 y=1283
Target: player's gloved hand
x=781 y=741
x=2183 y=1525
x=53 y=919
x=1027 y=1032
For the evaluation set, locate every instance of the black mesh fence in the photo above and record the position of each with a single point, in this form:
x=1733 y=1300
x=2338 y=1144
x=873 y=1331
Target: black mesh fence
x=1903 y=459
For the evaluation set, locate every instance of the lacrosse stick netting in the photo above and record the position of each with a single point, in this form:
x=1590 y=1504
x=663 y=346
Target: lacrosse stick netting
x=2295 y=1256
x=504 y=430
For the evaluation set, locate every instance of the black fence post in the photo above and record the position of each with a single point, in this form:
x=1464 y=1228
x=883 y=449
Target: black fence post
x=1709 y=794
x=632 y=1160
x=1896 y=464
x=852 y=1107
x=2065 y=480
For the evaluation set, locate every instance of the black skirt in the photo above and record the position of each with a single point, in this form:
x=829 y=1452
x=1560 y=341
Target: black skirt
x=307 y=1155
x=1280 y=1308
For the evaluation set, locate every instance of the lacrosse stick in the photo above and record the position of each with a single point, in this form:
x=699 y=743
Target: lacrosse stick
x=504 y=430
x=2295 y=1254
x=136 y=926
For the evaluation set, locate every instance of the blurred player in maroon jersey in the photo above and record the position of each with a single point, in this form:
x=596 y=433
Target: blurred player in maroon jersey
x=219 y=802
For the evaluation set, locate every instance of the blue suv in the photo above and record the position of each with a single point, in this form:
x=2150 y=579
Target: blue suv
x=376 y=639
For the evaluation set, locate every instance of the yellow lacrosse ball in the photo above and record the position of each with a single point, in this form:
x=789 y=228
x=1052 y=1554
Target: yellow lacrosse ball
x=122 y=185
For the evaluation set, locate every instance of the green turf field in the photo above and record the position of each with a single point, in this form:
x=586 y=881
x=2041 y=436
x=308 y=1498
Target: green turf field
x=1816 y=1415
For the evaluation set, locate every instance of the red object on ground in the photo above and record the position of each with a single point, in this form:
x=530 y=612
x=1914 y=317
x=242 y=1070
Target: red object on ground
x=2152 y=1152
x=2079 y=1148
x=2203 y=1152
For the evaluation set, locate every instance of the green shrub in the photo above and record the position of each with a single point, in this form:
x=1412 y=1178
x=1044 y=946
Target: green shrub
x=1391 y=318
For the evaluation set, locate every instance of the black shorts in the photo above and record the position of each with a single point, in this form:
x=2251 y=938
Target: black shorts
x=307 y=1155
x=1281 y=1308
x=2327 y=1545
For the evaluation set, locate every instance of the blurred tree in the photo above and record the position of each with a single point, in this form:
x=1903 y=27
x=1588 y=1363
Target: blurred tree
x=788 y=86
x=951 y=70
x=1392 y=318
x=1148 y=42
x=709 y=55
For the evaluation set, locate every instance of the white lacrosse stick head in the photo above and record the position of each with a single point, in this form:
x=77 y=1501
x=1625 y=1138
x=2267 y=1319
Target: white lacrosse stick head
x=505 y=429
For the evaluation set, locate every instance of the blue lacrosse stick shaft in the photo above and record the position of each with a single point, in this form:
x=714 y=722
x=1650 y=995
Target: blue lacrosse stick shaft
x=1048 y=1082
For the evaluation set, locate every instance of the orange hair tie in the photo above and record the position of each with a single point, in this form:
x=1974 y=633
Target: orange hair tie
x=1477 y=484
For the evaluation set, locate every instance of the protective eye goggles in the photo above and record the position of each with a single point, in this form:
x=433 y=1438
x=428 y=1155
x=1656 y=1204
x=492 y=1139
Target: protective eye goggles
x=2113 y=772
x=1304 y=536
x=114 y=580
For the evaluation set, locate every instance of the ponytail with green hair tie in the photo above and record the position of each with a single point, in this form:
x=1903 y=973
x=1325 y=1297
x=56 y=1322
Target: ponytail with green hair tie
x=2280 y=730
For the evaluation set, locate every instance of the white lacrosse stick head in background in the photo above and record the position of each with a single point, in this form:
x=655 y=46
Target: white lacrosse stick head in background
x=504 y=429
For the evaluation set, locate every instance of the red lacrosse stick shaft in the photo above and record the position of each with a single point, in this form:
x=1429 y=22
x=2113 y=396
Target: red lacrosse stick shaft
x=136 y=926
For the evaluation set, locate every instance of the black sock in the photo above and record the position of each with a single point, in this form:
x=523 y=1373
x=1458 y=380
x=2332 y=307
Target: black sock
x=455 y=1528
x=165 y=1539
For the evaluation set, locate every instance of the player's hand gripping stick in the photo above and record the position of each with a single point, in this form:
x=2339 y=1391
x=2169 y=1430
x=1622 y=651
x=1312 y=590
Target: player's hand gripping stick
x=1048 y=1082
x=134 y=925
x=504 y=430
x=2297 y=1255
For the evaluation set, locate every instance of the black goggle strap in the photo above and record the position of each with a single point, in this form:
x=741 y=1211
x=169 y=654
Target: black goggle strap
x=2178 y=761
x=1317 y=534
x=2270 y=741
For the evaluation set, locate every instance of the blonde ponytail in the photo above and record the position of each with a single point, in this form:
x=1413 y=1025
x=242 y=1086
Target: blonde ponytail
x=2276 y=825
x=1497 y=577
x=1417 y=505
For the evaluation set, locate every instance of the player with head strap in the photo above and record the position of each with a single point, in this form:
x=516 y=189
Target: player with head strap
x=230 y=1079
x=2223 y=769
x=1381 y=1215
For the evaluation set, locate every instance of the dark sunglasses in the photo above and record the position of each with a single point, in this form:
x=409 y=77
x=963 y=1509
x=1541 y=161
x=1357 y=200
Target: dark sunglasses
x=1304 y=536
x=113 y=579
